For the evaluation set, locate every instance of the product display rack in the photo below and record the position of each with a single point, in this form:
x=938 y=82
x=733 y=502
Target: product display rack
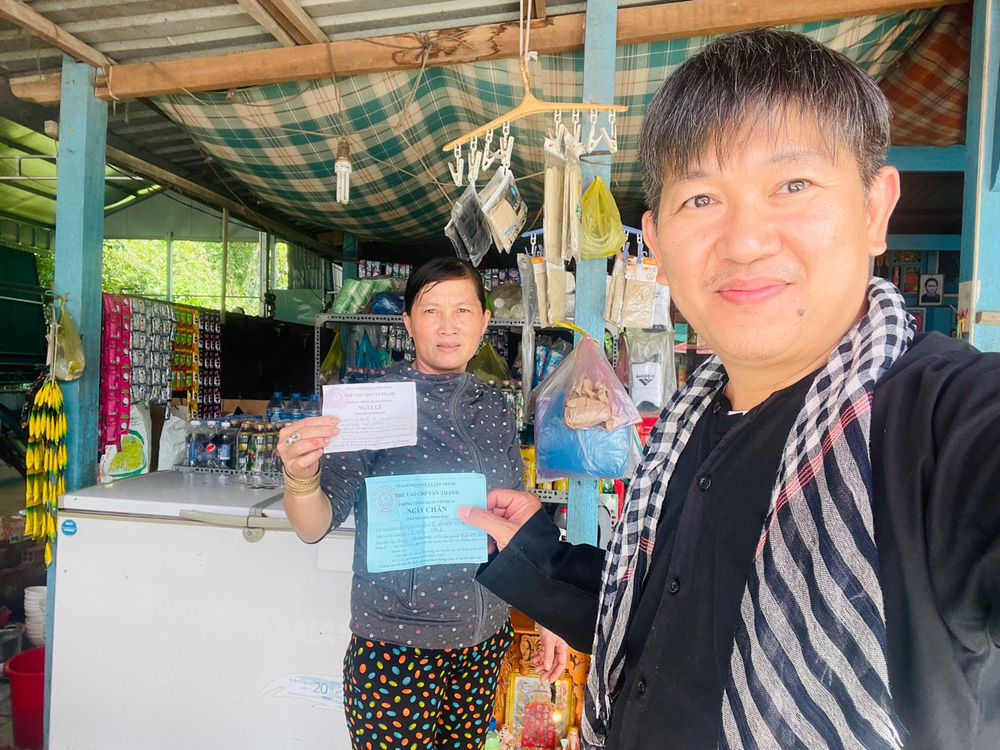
x=324 y=319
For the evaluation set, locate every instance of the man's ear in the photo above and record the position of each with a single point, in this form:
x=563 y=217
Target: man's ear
x=882 y=198
x=651 y=239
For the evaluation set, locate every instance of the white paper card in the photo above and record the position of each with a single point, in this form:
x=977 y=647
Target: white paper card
x=372 y=416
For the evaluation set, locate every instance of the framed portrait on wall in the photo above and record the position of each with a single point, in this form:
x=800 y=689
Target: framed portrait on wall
x=919 y=315
x=931 y=289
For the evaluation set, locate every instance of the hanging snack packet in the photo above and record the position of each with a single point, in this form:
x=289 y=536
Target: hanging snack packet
x=572 y=187
x=541 y=290
x=468 y=229
x=601 y=231
x=640 y=293
x=504 y=209
x=552 y=221
x=616 y=293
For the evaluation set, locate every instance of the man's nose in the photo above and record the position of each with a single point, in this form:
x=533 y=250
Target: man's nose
x=747 y=232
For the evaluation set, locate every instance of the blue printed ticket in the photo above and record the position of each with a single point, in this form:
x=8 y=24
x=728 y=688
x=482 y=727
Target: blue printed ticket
x=413 y=521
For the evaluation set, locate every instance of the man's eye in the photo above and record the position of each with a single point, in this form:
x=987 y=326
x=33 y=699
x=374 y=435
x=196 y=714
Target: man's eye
x=698 y=201
x=794 y=186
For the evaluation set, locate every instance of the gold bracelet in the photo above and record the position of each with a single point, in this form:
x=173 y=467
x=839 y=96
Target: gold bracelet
x=301 y=487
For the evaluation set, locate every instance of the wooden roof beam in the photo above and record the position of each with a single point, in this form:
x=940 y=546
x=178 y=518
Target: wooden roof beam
x=675 y=20
x=538 y=9
x=21 y=14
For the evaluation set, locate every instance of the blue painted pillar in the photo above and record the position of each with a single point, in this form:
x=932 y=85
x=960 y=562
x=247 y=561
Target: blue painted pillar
x=599 y=48
x=83 y=121
x=981 y=215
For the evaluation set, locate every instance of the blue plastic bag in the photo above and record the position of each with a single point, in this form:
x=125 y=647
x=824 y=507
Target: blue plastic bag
x=387 y=303
x=562 y=451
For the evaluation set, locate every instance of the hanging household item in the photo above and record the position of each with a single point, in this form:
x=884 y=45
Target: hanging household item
x=572 y=187
x=552 y=218
x=530 y=105
x=342 y=168
x=469 y=230
x=45 y=458
x=640 y=291
x=601 y=232
x=68 y=361
x=503 y=209
x=584 y=391
x=616 y=290
x=652 y=372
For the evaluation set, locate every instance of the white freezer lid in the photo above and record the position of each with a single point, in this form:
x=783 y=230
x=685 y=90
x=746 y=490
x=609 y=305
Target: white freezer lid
x=165 y=494
x=168 y=494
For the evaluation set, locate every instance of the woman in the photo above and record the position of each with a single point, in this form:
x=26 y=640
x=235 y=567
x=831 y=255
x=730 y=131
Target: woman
x=422 y=665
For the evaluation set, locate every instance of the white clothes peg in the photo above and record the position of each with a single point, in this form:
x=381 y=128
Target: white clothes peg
x=506 y=146
x=475 y=160
x=489 y=156
x=458 y=168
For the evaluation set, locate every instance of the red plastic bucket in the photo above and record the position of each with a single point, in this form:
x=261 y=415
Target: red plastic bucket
x=27 y=697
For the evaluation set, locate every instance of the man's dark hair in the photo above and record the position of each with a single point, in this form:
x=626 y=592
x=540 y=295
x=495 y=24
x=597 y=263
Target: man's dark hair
x=758 y=77
x=440 y=269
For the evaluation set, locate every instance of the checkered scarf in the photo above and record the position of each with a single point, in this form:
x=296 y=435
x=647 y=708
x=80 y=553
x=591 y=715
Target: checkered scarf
x=808 y=667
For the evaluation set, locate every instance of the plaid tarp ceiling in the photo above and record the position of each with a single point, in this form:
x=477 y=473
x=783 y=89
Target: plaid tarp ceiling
x=281 y=140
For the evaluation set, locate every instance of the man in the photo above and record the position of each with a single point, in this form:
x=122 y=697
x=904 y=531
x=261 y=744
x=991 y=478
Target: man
x=930 y=295
x=810 y=552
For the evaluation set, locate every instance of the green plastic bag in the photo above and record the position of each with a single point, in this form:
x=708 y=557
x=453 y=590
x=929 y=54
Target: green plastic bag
x=489 y=365
x=601 y=232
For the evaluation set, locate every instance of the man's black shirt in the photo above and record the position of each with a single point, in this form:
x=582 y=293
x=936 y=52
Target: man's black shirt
x=935 y=444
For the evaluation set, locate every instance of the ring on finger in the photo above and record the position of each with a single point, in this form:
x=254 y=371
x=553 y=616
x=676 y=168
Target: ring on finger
x=293 y=438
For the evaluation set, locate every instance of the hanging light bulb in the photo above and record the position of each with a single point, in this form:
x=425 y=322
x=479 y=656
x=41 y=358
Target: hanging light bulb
x=343 y=169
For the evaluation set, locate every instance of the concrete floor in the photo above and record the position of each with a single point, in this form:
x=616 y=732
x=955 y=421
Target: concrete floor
x=6 y=728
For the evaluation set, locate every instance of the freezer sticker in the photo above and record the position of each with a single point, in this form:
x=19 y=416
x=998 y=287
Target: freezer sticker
x=69 y=527
x=322 y=691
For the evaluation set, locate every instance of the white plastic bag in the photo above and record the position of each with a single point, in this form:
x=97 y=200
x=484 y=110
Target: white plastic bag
x=640 y=293
x=173 y=439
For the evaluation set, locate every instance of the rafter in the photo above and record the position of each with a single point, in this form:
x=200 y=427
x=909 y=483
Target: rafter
x=295 y=21
x=21 y=14
x=675 y=20
x=538 y=9
x=270 y=24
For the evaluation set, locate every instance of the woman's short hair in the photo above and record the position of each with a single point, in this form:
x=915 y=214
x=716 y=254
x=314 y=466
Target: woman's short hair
x=445 y=268
x=756 y=78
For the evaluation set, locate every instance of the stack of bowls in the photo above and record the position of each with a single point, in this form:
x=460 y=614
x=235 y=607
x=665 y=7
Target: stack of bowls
x=35 y=606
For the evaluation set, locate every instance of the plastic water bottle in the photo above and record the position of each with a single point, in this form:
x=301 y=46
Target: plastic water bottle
x=492 y=736
x=293 y=409
x=275 y=407
x=311 y=406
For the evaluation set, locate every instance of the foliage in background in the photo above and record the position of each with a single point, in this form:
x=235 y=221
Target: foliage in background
x=139 y=267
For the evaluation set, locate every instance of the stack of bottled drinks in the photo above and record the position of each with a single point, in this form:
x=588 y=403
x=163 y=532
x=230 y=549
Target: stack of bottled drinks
x=246 y=447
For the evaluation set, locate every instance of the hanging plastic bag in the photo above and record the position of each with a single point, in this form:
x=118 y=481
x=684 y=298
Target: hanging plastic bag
x=538 y=265
x=653 y=376
x=616 y=293
x=488 y=365
x=368 y=365
x=173 y=438
x=661 y=307
x=69 y=359
x=584 y=391
x=504 y=209
x=329 y=371
x=468 y=229
x=601 y=231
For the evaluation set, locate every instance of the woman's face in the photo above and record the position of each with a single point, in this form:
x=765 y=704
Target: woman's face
x=446 y=323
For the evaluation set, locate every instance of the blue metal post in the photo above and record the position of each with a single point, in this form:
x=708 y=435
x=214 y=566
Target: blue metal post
x=83 y=121
x=981 y=216
x=599 y=48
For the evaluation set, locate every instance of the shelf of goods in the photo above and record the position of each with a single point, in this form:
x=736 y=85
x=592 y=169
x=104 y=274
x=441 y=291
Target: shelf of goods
x=324 y=319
